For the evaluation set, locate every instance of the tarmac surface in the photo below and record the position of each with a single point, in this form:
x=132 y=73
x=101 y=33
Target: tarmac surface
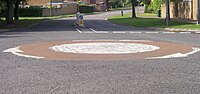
x=22 y=75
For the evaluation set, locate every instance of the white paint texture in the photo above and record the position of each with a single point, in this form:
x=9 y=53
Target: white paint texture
x=17 y=51
x=176 y=55
x=104 y=48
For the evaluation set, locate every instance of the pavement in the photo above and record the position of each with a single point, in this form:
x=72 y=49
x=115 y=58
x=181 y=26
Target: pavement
x=22 y=75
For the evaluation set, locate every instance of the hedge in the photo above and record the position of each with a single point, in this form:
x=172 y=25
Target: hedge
x=30 y=12
x=85 y=8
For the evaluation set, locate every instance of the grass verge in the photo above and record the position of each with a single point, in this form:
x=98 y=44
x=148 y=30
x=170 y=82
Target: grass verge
x=150 y=20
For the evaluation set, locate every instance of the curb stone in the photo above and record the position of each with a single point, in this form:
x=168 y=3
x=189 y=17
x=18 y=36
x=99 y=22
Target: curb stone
x=181 y=30
x=1 y=31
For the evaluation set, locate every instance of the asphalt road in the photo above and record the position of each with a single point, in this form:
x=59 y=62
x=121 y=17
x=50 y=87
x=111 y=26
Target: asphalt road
x=20 y=75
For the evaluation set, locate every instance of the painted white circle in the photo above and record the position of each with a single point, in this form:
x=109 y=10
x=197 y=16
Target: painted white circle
x=104 y=48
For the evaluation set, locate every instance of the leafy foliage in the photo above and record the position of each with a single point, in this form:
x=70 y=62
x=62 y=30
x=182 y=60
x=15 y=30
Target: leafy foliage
x=154 y=6
x=2 y=8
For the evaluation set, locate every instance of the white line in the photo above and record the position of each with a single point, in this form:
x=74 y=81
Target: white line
x=176 y=55
x=101 y=32
x=88 y=32
x=185 y=32
x=151 y=32
x=92 y=30
x=136 y=32
x=169 y=32
x=79 y=30
x=98 y=31
x=197 y=32
x=17 y=51
x=119 y=32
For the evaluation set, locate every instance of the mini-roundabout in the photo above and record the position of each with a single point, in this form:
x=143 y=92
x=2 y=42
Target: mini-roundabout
x=105 y=50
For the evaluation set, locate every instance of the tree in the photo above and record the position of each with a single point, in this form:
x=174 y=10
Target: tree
x=12 y=11
x=9 y=13
x=133 y=3
x=16 y=10
x=2 y=7
x=156 y=5
x=107 y=5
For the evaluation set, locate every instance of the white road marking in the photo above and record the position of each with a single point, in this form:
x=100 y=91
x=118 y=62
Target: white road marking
x=185 y=32
x=197 y=32
x=118 y=32
x=17 y=51
x=101 y=32
x=152 y=32
x=87 y=32
x=169 y=32
x=194 y=50
x=136 y=32
x=79 y=30
x=92 y=30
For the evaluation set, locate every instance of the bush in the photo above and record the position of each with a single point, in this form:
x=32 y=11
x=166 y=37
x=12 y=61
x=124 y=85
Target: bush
x=148 y=9
x=2 y=9
x=86 y=8
x=30 y=12
x=154 y=6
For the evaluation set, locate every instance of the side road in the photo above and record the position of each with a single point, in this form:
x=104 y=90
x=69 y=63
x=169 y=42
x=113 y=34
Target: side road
x=97 y=22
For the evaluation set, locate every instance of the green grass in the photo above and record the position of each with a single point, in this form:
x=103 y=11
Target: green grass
x=28 y=21
x=150 y=20
x=145 y=14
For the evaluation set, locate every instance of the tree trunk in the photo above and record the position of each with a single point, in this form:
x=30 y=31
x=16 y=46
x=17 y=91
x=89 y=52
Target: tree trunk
x=16 y=11
x=176 y=8
x=9 y=15
x=133 y=9
x=168 y=9
x=107 y=5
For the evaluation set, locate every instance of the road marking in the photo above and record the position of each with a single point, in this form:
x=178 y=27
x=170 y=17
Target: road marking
x=136 y=32
x=87 y=32
x=152 y=32
x=194 y=50
x=17 y=51
x=169 y=32
x=79 y=30
x=185 y=32
x=92 y=30
x=119 y=32
x=103 y=32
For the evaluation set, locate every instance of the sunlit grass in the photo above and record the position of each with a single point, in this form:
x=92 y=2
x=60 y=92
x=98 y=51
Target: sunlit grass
x=150 y=20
